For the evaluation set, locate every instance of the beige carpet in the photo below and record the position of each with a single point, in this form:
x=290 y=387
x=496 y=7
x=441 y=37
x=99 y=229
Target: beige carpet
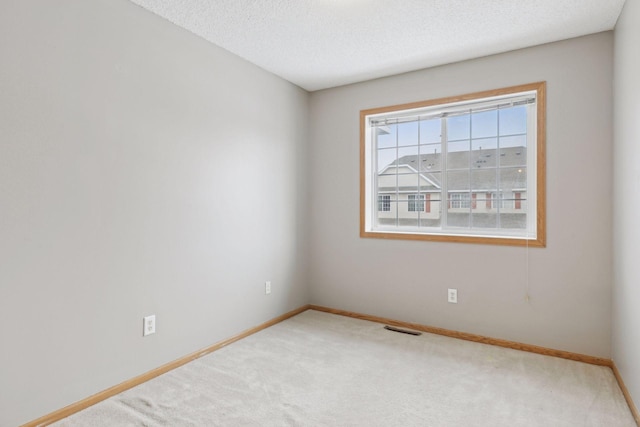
x=319 y=369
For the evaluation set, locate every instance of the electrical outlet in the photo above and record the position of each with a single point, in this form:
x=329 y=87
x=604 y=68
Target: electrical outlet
x=453 y=296
x=267 y=287
x=149 y=325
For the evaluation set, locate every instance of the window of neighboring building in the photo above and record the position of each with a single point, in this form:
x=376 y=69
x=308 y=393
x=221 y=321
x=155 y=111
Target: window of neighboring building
x=416 y=202
x=468 y=168
x=459 y=201
x=495 y=201
x=384 y=203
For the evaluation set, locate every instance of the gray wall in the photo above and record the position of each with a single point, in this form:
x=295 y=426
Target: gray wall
x=626 y=201
x=569 y=281
x=142 y=170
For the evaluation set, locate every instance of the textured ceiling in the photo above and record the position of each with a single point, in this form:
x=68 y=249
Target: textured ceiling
x=318 y=44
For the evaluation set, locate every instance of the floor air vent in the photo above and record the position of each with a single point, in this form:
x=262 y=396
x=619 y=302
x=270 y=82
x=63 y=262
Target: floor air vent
x=402 y=331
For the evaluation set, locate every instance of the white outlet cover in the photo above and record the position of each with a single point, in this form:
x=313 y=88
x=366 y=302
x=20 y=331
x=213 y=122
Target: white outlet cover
x=267 y=287
x=149 y=325
x=452 y=296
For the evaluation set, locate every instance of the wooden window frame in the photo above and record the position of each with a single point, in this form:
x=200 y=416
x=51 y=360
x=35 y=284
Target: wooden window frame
x=540 y=162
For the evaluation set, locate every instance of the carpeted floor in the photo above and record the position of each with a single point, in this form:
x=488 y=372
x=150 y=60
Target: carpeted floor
x=319 y=369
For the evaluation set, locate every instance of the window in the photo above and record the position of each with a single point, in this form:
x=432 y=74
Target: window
x=384 y=203
x=416 y=202
x=495 y=201
x=469 y=168
x=459 y=201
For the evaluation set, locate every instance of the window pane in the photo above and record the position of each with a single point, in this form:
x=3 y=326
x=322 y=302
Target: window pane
x=408 y=157
x=458 y=127
x=387 y=183
x=430 y=131
x=507 y=204
x=402 y=183
x=513 y=179
x=386 y=158
x=386 y=136
x=430 y=157
x=484 y=219
x=430 y=181
x=513 y=213
x=398 y=160
x=483 y=154
x=389 y=218
x=414 y=221
x=406 y=217
x=513 y=120
x=458 y=218
x=513 y=141
x=458 y=181
x=514 y=151
x=513 y=220
x=408 y=133
x=484 y=124
x=432 y=214
x=484 y=144
x=408 y=182
x=485 y=180
x=513 y=156
x=458 y=155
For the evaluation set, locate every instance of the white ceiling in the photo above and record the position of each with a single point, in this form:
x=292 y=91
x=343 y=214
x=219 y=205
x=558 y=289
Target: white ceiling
x=318 y=44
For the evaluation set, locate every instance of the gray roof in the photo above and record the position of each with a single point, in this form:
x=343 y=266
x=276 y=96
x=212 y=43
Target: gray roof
x=469 y=170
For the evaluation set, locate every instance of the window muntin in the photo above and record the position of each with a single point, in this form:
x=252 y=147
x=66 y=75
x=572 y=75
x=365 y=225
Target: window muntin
x=481 y=153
